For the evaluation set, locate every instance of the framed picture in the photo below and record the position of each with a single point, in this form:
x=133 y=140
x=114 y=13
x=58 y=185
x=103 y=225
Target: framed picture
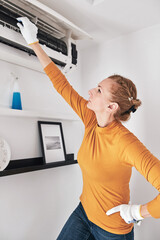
x=52 y=141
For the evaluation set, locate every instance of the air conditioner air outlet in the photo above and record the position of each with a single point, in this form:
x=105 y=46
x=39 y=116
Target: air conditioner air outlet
x=56 y=34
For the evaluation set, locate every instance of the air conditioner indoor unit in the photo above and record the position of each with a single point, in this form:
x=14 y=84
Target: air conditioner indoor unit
x=56 y=34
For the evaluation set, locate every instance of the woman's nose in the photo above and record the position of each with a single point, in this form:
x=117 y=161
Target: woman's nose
x=90 y=92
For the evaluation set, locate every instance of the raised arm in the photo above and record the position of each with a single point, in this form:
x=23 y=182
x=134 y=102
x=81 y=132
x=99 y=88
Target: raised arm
x=59 y=81
x=42 y=56
x=29 y=32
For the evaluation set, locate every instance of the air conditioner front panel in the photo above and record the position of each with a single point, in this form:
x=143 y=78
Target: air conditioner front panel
x=8 y=19
x=44 y=14
x=55 y=33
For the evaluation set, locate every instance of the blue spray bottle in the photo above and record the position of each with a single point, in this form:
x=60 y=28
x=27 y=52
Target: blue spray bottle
x=16 y=100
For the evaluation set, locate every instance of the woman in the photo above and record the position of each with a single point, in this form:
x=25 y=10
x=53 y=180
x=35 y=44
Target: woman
x=106 y=156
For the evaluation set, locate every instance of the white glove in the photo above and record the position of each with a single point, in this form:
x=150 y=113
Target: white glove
x=130 y=213
x=28 y=30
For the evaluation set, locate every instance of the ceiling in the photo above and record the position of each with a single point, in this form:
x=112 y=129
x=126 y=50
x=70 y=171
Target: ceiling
x=108 y=19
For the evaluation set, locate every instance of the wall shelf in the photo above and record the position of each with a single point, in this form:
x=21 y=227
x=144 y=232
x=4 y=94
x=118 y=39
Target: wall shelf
x=7 y=112
x=34 y=164
x=31 y=164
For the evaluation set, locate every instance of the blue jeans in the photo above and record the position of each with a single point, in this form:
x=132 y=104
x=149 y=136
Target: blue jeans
x=78 y=227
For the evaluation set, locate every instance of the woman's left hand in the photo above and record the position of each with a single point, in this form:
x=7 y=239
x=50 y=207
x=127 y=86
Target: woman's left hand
x=130 y=213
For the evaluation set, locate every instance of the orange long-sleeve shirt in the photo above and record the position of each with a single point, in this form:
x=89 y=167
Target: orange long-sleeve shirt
x=106 y=158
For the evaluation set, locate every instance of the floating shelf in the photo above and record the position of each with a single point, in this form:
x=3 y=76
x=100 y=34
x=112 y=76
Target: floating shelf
x=5 y=112
x=34 y=164
x=31 y=164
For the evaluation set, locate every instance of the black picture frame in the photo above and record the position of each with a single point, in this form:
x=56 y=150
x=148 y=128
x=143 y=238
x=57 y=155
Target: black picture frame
x=52 y=141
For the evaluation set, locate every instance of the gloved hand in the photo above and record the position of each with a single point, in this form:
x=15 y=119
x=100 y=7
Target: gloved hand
x=28 y=30
x=130 y=213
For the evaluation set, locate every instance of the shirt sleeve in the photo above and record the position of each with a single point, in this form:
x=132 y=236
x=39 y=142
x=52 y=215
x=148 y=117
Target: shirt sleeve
x=137 y=155
x=60 y=83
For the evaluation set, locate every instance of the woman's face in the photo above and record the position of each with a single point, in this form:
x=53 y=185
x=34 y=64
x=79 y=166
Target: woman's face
x=99 y=97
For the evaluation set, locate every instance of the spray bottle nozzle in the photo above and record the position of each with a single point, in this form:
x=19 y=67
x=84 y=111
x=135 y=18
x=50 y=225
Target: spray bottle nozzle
x=14 y=76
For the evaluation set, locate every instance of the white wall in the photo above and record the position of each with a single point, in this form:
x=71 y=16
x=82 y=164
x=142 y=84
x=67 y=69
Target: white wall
x=36 y=205
x=136 y=56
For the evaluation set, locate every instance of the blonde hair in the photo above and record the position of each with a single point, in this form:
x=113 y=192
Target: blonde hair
x=124 y=93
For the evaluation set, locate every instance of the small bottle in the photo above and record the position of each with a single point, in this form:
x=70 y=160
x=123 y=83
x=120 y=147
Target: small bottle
x=16 y=99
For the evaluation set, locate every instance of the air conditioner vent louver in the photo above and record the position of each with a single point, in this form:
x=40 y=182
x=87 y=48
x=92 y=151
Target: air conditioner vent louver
x=56 y=34
x=31 y=14
x=8 y=18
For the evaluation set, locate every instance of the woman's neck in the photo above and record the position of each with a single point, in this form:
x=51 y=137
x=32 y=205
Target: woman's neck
x=104 y=119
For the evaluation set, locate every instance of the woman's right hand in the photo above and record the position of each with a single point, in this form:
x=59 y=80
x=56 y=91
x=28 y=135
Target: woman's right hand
x=28 y=30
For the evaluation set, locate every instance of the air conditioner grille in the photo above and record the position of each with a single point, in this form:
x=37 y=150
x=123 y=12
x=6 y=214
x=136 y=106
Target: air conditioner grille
x=8 y=19
x=15 y=10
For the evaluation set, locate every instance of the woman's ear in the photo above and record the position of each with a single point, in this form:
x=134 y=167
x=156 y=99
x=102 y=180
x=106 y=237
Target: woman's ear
x=113 y=107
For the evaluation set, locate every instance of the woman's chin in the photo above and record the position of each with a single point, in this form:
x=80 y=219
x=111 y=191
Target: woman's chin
x=88 y=105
